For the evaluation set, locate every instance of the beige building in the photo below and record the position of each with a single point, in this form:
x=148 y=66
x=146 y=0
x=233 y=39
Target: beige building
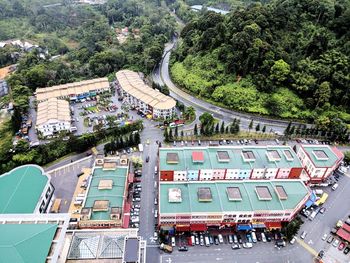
x=74 y=91
x=147 y=100
x=53 y=116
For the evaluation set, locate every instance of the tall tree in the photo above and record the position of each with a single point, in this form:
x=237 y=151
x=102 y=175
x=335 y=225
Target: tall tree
x=222 y=128
x=195 y=130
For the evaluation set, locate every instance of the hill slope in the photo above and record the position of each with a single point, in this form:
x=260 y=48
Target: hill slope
x=286 y=58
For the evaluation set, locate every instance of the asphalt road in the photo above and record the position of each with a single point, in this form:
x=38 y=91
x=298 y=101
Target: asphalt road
x=149 y=192
x=161 y=75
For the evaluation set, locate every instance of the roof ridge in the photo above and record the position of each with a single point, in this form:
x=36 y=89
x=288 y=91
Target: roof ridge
x=250 y=201
x=217 y=189
x=49 y=226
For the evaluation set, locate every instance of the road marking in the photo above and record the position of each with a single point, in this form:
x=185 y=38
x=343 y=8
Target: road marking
x=307 y=247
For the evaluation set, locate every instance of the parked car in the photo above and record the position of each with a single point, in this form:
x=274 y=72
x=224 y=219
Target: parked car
x=303 y=235
x=147 y=159
x=183 y=248
x=236 y=246
x=263 y=237
x=321 y=254
x=341 y=246
x=324 y=237
x=322 y=210
x=216 y=240
x=230 y=239
x=346 y=250
x=330 y=239
x=335 y=243
x=221 y=240
x=240 y=241
x=235 y=239
x=292 y=241
x=247 y=245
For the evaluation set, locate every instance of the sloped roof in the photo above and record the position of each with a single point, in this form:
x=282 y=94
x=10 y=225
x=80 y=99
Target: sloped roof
x=21 y=188
x=27 y=243
x=53 y=109
x=131 y=82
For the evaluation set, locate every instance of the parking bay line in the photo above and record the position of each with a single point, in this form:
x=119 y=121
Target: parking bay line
x=307 y=247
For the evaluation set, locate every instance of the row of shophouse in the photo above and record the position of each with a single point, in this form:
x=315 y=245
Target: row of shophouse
x=239 y=187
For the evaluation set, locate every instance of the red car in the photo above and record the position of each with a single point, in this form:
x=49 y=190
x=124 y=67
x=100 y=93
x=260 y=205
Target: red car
x=341 y=246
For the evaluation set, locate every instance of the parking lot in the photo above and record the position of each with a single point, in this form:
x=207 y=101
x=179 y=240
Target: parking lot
x=261 y=251
x=65 y=179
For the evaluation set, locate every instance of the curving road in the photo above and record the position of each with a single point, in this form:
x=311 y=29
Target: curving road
x=161 y=75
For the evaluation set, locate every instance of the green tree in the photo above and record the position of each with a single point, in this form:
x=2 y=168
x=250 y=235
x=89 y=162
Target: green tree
x=250 y=125
x=195 y=130
x=217 y=128
x=166 y=135
x=287 y=130
x=264 y=129
x=257 y=127
x=322 y=94
x=182 y=133
x=222 y=127
x=279 y=72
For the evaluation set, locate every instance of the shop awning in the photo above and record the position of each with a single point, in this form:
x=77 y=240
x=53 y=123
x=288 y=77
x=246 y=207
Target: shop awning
x=311 y=200
x=258 y=226
x=244 y=227
x=271 y=225
x=182 y=228
x=199 y=227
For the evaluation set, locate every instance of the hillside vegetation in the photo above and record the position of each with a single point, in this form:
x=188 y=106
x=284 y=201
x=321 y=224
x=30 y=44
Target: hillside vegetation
x=288 y=59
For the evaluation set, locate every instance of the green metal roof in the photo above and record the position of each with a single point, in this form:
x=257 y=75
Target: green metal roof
x=236 y=160
x=115 y=196
x=332 y=157
x=295 y=190
x=21 y=188
x=29 y=243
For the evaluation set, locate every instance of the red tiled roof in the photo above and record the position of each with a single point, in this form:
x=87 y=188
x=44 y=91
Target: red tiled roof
x=346 y=227
x=343 y=234
x=197 y=157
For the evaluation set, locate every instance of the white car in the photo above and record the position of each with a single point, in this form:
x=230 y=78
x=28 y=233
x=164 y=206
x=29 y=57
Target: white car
x=263 y=237
x=248 y=245
x=335 y=243
x=293 y=240
x=221 y=240
x=155 y=235
x=303 y=235
x=324 y=237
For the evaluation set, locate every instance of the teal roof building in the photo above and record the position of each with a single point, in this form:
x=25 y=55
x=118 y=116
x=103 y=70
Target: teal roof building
x=25 y=189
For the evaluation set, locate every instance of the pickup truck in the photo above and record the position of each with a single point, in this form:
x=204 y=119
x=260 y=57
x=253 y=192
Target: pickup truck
x=166 y=248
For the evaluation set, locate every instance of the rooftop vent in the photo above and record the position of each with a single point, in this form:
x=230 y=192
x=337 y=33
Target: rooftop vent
x=172 y=158
x=223 y=156
x=101 y=206
x=174 y=195
x=248 y=156
x=281 y=193
x=197 y=157
x=116 y=213
x=204 y=194
x=234 y=194
x=85 y=213
x=263 y=193
x=273 y=155
x=105 y=184
x=320 y=155
x=288 y=155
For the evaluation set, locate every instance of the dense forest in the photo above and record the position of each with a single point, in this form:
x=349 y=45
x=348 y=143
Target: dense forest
x=287 y=58
x=83 y=42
